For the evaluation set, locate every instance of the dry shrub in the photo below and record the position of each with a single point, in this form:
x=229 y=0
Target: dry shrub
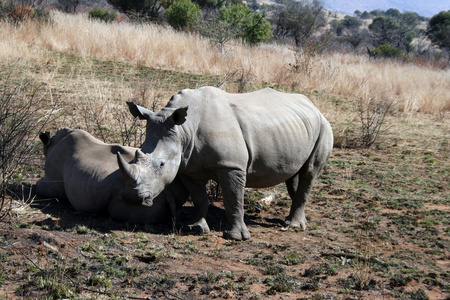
x=372 y=115
x=22 y=13
x=24 y=111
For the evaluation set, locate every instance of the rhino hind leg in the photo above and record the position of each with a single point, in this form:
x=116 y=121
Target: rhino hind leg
x=51 y=189
x=299 y=186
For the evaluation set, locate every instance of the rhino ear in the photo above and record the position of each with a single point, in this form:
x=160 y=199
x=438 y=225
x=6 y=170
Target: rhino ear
x=45 y=138
x=179 y=116
x=138 y=111
x=128 y=170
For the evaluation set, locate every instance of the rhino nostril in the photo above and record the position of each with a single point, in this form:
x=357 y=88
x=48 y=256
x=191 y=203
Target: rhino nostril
x=148 y=201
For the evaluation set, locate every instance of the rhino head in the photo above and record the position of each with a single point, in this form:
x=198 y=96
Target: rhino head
x=156 y=166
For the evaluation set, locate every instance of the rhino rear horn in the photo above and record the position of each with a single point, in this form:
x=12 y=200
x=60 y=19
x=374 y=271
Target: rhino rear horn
x=139 y=156
x=127 y=169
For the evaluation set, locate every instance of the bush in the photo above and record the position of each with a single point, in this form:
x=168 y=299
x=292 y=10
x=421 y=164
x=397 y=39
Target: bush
x=140 y=10
x=22 y=13
x=102 y=15
x=258 y=29
x=387 y=51
x=237 y=21
x=183 y=14
x=24 y=112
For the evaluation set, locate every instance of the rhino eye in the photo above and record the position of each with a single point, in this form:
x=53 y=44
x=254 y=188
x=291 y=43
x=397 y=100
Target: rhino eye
x=161 y=164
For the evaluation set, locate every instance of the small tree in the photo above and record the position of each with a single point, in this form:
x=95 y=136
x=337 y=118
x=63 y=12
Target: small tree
x=183 y=14
x=251 y=26
x=237 y=21
x=372 y=114
x=439 y=30
x=387 y=30
x=299 y=20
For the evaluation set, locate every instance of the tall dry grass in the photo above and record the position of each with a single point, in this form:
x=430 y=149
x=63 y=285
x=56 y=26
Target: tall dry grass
x=411 y=87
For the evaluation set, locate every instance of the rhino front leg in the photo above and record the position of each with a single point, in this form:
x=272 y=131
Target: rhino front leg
x=201 y=203
x=233 y=183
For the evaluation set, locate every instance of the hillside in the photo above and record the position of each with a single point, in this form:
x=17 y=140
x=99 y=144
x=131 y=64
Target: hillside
x=423 y=8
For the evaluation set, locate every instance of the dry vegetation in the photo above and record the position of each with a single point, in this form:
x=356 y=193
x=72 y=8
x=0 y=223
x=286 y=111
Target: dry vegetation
x=413 y=88
x=378 y=219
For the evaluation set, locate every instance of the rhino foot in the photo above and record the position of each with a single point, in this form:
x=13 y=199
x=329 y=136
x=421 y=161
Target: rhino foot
x=199 y=227
x=237 y=235
x=296 y=224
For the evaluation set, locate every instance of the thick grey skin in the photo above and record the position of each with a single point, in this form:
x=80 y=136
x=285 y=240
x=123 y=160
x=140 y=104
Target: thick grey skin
x=83 y=170
x=257 y=139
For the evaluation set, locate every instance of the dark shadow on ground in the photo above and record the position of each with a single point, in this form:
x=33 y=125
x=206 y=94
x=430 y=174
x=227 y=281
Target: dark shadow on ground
x=62 y=216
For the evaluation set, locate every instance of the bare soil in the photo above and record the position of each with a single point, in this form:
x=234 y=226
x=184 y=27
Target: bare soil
x=359 y=244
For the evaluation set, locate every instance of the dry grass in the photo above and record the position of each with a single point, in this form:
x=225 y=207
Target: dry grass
x=413 y=88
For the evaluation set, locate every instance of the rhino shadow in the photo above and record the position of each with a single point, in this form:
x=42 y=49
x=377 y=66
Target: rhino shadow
x=62 y=216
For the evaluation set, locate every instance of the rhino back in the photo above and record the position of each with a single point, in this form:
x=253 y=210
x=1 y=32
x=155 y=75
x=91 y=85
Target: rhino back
x=268 y=133
x=88 y=169
x=280 y=131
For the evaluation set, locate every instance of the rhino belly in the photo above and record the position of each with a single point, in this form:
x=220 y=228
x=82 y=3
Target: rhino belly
x=277 y=154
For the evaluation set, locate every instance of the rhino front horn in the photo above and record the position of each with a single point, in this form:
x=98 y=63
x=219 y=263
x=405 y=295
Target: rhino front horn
x=128 y=170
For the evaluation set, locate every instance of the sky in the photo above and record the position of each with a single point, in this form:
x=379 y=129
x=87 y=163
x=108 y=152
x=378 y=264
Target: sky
x=426 y=8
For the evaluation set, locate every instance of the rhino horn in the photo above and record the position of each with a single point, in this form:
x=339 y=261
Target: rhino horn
x=127 y=169
x=139 y=156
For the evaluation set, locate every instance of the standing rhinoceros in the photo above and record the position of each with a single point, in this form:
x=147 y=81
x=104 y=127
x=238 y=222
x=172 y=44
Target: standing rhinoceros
x=84 y=170
x=257 y=139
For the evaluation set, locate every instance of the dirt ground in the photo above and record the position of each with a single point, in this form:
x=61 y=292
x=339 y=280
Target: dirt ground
x=378 y=228
x=356 y=246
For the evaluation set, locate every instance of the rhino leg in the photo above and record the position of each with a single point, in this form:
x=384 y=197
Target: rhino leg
x=233 y=183
x=201 y=203
x=51 y=189
x=299 y=188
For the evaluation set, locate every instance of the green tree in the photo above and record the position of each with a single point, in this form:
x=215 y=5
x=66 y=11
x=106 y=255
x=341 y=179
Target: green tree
x=350 y=22
x=299 y=20
x=237 y=21
x=183 y=14
x=257 y=29
x=389 y=31
x=251 y=26
x=393 y=12
x=439 y=30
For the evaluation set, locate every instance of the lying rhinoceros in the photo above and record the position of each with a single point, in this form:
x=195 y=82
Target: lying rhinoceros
x=84 y=170
x=257 y=139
